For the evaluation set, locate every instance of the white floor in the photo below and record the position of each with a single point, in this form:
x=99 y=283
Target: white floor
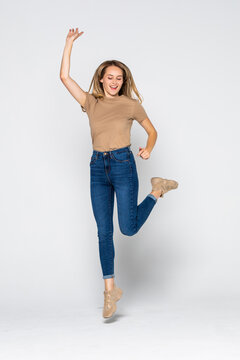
x=190 y=329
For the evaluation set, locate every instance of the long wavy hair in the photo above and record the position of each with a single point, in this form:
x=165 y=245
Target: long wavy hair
x=128 y=86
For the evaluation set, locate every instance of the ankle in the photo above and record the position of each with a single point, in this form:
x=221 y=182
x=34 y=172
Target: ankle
x=156 y=193
x=109 y=284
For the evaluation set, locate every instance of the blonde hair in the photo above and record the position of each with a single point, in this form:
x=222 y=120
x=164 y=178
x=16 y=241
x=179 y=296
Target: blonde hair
x=127 y=87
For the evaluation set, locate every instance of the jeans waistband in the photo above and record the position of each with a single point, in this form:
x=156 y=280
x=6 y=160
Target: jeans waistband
x=116 y=151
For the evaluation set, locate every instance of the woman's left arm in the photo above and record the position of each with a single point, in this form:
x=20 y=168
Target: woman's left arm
x=152 y=138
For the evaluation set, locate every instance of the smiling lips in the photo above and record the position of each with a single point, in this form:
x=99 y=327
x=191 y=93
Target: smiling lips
x=113 y=87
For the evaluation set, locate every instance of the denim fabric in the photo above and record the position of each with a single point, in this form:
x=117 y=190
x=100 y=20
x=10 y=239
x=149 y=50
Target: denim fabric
x=115 y=172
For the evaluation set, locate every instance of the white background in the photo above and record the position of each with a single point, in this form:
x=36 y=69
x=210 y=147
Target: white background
x=184 y=57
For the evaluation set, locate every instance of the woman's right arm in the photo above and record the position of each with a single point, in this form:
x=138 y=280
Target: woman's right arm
x=70 y=84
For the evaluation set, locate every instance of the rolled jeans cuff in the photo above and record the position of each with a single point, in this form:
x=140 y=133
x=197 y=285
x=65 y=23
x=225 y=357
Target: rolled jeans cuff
x=153 y=197
x=108 y=276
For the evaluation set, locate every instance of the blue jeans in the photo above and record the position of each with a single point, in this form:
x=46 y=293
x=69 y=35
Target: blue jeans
x=115 y=171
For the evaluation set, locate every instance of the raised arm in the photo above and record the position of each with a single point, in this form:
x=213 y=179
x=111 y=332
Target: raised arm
x=74 y=89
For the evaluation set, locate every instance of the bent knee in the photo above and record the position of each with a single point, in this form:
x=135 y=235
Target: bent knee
x=127 y=231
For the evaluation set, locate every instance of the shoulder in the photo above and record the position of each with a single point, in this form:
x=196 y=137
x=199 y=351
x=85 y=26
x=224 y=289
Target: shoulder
x=136 y=103
x=90 y=101
x=139 y=112
x=91 y=97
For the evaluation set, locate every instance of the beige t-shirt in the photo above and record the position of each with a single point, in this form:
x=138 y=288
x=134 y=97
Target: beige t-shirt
x=110 y=120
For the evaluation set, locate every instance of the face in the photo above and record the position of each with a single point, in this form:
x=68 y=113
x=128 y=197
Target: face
x=112 y=81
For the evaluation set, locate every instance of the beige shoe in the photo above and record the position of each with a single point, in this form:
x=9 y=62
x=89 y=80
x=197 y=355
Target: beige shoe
x=165 y=185
x=110 y=299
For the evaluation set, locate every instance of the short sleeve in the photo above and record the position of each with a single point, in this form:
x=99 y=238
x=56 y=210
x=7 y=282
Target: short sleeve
x=90 y=102
x=139 y=112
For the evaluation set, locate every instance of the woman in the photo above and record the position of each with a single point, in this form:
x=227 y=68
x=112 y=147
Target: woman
x=111 y=111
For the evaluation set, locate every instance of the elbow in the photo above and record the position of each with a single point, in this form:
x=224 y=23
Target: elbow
x=63 y=78
x=154 y=133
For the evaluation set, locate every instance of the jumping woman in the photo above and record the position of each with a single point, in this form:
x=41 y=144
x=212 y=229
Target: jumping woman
x=111 y=110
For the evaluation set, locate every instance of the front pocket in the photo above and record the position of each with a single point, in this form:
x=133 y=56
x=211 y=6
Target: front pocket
x=93 y=159
x=121 y=156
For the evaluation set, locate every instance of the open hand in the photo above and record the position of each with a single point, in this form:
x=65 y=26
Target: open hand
x=73 y=35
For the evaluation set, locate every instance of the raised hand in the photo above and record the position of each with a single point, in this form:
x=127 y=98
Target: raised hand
x=73 y=35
